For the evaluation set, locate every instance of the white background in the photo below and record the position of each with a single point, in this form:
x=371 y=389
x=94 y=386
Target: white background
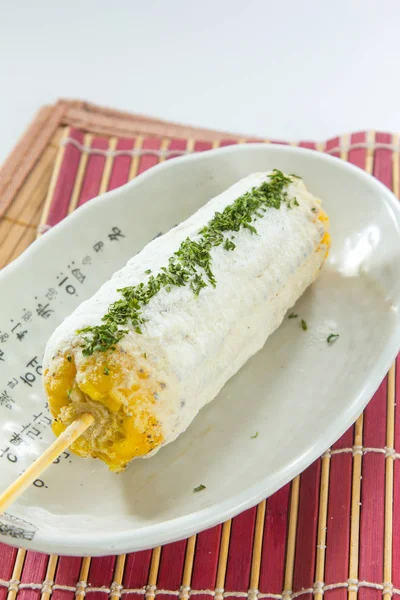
x=289 y=69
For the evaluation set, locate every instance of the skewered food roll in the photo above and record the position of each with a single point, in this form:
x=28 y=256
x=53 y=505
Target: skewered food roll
x=161 y=338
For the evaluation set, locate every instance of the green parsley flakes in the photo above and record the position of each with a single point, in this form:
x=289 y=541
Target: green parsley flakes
x=229 y=245
x=331 y=339
x=199 y=488
x=190 y=265
x=304 y=325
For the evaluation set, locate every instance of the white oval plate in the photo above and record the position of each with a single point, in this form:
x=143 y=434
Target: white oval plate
x=298 y=393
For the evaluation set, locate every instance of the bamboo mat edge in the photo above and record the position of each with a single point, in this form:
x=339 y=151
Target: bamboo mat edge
x=88 y=117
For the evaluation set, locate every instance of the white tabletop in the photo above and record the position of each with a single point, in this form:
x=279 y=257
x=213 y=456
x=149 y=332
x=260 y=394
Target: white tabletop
x=287 y=69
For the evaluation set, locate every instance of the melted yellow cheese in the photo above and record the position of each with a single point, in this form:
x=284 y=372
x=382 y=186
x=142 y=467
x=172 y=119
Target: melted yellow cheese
x=326 y=238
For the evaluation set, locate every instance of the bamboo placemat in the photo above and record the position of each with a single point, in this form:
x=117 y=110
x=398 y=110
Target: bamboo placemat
x=335 y=530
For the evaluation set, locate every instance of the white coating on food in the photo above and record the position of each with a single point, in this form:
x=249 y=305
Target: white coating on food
x=194 y=345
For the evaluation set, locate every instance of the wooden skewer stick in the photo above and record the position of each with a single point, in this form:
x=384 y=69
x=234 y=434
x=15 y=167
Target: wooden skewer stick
x=68 y=436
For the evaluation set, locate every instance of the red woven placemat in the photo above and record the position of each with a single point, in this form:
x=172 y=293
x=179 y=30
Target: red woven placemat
x=333 y=531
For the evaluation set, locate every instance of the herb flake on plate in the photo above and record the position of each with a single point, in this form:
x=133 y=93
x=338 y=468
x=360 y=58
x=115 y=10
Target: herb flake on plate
x=199 y=488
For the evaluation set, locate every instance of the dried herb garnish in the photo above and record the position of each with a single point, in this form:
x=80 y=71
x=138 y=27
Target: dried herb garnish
x=293 y=316
x=199 y=488
x=190 y=265
x=332 y=338
x=304 y=325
